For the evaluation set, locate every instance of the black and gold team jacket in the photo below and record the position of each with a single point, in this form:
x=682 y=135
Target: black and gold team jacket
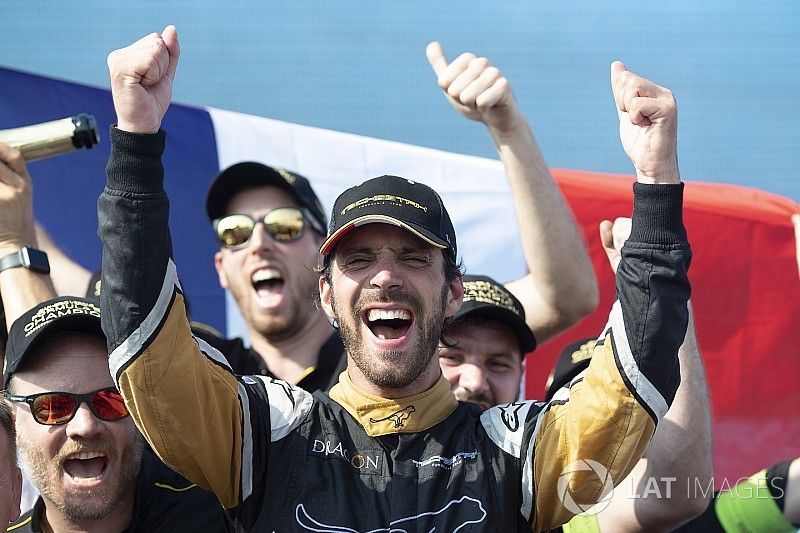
x=280 y=459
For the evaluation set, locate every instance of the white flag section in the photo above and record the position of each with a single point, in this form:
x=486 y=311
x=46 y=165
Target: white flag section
x=474 y=189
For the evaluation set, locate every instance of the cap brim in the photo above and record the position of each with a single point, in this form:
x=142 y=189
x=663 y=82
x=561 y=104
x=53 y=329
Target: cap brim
x=334 y=238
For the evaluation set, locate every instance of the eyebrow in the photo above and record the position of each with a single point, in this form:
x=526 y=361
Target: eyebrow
x=422 y=248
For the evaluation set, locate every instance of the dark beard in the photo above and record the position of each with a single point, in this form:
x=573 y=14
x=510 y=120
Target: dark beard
x=408 y=365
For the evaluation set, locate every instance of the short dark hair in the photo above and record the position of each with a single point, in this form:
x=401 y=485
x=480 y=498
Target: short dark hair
x=7 y=425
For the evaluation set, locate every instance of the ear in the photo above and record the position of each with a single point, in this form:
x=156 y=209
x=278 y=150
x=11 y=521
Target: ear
x=455 y=295
x=326 y=297
x=223 y=278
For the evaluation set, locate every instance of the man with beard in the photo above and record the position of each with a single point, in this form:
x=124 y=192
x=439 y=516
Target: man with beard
x=389 y=447
x=269 y=224
x=270 y=268
x=77 y=440
x=10 y=476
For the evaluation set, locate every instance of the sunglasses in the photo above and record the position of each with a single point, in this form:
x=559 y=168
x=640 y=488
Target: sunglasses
x=55 y=408
x=284 y=224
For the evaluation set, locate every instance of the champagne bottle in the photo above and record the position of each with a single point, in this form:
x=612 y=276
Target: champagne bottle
x=56 y=137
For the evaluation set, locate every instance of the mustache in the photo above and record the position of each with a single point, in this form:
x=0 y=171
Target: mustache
x=74 y=446
x=401 y=296
x=480 y=398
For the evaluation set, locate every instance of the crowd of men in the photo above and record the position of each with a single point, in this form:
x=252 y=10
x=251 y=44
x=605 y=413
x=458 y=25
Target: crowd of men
x=380 y=390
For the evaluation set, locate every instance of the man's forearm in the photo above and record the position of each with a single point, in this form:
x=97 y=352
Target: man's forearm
x=22 y=289
x=556 y=257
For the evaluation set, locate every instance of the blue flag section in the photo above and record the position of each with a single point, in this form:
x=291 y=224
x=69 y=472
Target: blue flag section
x=66 y=187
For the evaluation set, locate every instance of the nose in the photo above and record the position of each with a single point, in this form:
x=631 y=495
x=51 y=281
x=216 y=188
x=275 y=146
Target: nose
x=260 y=239
x=386 y=276
x=84 y=424
x=473 y=378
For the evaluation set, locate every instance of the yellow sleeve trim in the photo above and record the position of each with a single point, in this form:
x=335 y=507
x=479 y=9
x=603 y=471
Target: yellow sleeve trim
x=582 y=523
x=17 y=526
x=304 y=375
x=174 y=489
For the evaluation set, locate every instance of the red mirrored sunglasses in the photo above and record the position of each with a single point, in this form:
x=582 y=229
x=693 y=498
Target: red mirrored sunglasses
x=55 y=408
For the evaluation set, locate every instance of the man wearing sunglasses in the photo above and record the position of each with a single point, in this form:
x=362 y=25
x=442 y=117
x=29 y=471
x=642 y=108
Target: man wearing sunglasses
x=389 y=448
x=77 y=440
x=269 y=224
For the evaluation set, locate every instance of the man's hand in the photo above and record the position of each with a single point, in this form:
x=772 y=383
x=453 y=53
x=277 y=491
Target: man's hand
x=16 y=204
x=612 y=237
x=141 y=80
x=648 y=124
x=476 y=89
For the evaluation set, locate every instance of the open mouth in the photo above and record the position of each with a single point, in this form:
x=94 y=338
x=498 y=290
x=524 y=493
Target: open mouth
x=86 y=467
x=389 y=324
x=267 y=282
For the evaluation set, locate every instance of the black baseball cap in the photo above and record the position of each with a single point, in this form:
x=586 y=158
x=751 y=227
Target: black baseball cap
x=408 y=204
x=248 y=174
x=59 y=315
x=484 y=296
x=574 y=358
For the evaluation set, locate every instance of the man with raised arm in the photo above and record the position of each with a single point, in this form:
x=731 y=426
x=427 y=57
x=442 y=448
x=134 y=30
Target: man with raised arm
x=560 y=287
x=389 y=448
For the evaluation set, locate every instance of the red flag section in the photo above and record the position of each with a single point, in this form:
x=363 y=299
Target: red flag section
x=746 y=296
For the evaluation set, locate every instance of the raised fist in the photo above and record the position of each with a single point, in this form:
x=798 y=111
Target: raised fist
x=141 y=80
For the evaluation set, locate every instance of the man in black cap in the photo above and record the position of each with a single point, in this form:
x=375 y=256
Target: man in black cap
x=389 y=448
x=269 y=224
x=77 y=440
x=485 y=344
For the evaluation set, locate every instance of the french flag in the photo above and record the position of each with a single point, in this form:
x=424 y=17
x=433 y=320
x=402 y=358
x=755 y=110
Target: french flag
x=746 y=290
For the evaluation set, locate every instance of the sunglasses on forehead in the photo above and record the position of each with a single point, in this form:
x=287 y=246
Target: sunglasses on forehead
x=284 y=224
x=55 y=408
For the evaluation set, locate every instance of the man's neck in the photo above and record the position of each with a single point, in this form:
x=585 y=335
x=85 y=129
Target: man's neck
x=289 y=359
x=53 y=520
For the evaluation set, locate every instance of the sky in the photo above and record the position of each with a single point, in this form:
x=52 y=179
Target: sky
x=360 y=67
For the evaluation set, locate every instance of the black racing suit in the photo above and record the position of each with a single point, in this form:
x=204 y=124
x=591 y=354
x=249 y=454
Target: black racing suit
x=280 y=459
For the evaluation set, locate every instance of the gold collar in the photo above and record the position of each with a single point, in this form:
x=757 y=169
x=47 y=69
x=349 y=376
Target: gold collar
x=379 y=416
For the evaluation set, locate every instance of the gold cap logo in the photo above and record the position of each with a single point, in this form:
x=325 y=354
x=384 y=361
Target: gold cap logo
x=489 y=293
x=286 y=175
x=384 y=198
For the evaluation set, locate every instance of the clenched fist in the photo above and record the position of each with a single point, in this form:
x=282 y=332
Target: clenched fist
x=141 y=80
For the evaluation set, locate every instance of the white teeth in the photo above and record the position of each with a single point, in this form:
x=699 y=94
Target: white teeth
x=266 y=274
x=86 y=455
x=388 y=314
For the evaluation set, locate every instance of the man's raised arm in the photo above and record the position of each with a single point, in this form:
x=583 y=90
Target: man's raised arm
x=181 y=393
x=560 y=287
x=590 y=435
